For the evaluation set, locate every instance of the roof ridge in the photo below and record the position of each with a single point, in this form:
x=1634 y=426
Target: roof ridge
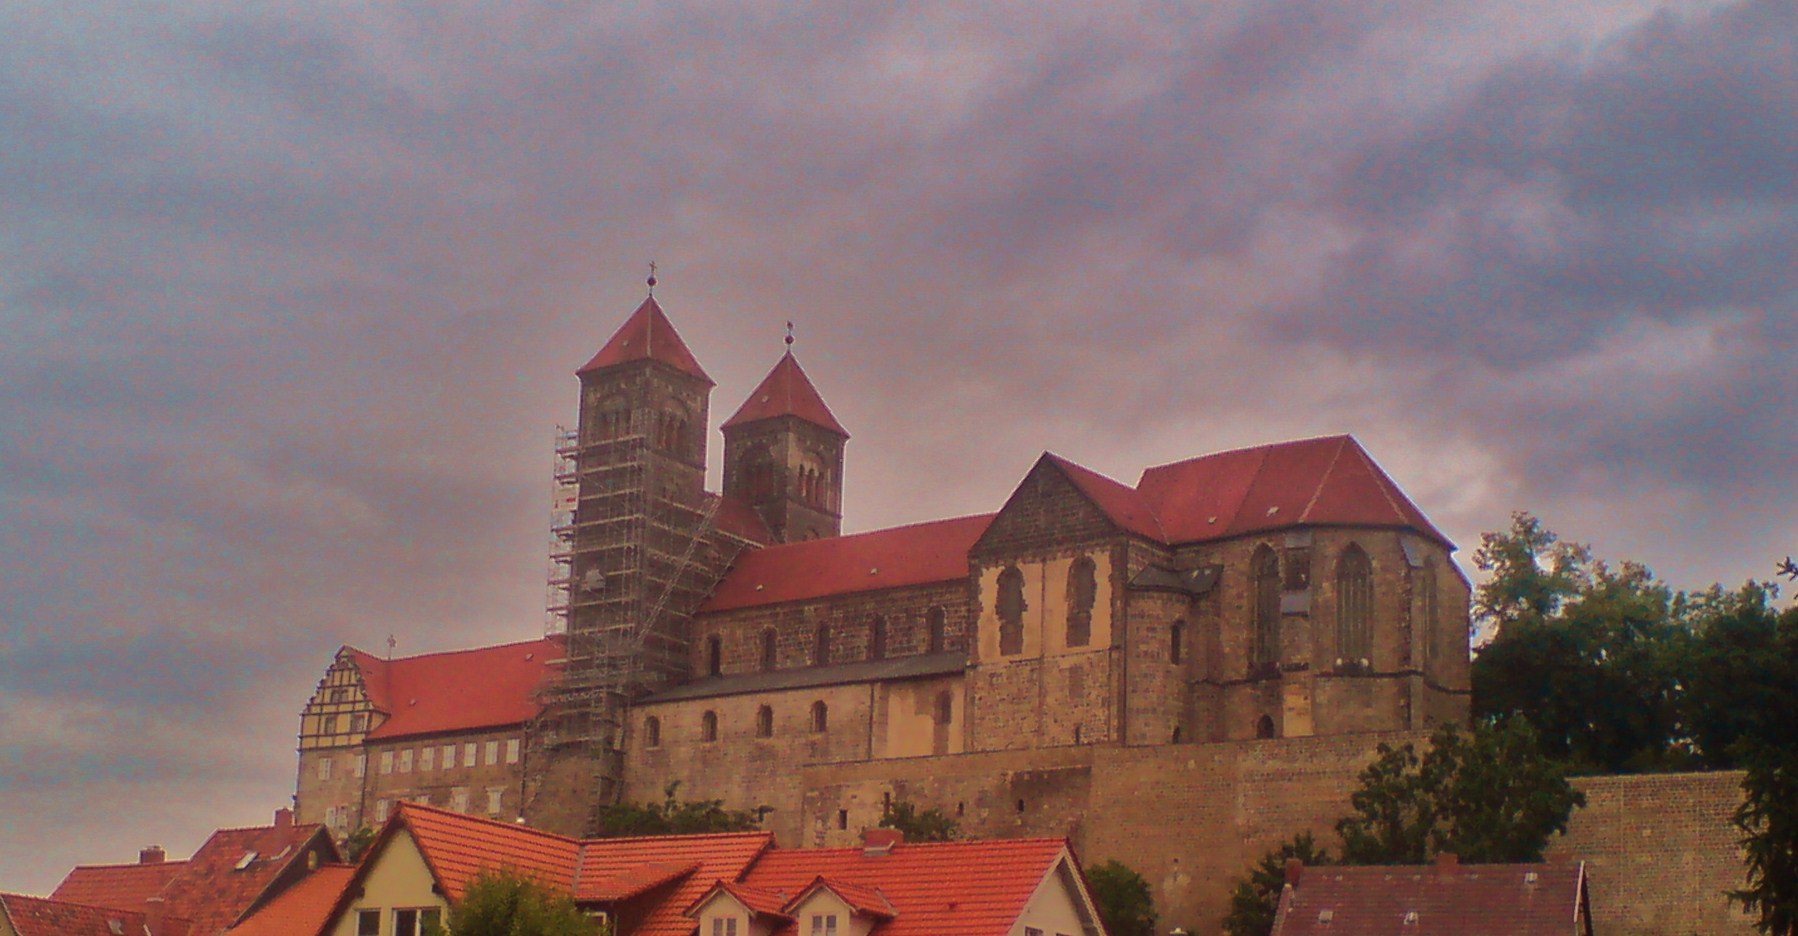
x=1323 y=480
x=409 y=806
x=440 y=653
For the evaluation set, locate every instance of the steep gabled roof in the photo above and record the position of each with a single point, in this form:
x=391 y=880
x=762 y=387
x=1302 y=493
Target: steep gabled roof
x=487 y=687
x=907 y=555
x=861 y=898
x=786 y=391
x=232 y=872
x=647 y=336
x=303 y=909
x=758 y=901
x=965 y=888
x=1517 y=900
x=1122 y=503
x=457 y=848
x=1329 y=481
x=120 y=886
x=41 y=916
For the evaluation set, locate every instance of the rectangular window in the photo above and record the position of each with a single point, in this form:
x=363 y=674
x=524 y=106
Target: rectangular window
x=449 y=756
x=825 y=924
x=405 y=923
x=512 y=751
x=468 y=751
x=423 y=799
x=427 y=759
x=1032 y=931
x=386 y=763
x=493 y=799
x=492 y=753
x=331 y=816
x=324 y=768
x=368 y=923
x=361 y=765
x=459 y=799
x=724 y=926
x=380 y=810
x=406 y=761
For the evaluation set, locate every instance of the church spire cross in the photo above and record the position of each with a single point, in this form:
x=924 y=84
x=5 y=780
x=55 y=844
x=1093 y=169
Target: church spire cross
x=652 y=277
x=789 y=336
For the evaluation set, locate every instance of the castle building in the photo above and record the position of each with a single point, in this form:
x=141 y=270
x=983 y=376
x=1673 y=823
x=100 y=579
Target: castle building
x=723 y=640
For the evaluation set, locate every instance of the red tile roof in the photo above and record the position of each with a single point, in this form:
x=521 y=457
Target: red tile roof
x=786 y=391
x=303 y=909
x=936 y=889
x=40 y=916
x=120 y=886
x=760 y=902
x=1122 y=503
x=1329 y=481
x=220 y=882
x=632 y=882
x=720 y=857
x=736 y=517
x=458 y=848
x=647 y=336
x=907 y=555
x=488 y=687
x=862 y=899
x=1467 y=900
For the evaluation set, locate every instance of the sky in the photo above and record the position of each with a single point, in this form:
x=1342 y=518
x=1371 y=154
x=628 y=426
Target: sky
x=292 y=294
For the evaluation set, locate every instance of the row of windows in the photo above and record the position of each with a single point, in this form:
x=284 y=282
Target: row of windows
x=943 y=713
x=1354 y=605
x=1082 y=592
x=428 y=758
x=330 y=724
x=936 y=625
x=337 y=817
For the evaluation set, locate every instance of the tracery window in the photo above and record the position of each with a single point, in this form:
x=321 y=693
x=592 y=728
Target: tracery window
x=1354 y=606
x=1265 y=576
x=1010 y=606
x=1083 y=590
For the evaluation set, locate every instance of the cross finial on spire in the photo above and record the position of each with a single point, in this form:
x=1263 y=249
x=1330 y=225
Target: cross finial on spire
x=789 y=336
x=391 y=643
x=652 y=277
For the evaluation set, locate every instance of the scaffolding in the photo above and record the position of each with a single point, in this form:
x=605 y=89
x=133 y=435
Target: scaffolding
x=630 y=559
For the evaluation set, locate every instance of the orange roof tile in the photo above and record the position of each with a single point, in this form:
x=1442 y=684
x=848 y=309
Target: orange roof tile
x=786 y=391
x=487 y=687
x=862 y=899
x=220 y=882
x=1520 y=899
x=458 y=848
x=647 y=336
x=632 y=882
x=975 y=888
x=303 y=909
x=759 y=901
x=120 y=886
x=40 y=916
x=722 y=856
x=907 y=555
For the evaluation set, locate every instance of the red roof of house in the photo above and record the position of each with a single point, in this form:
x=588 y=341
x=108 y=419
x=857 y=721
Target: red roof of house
x=487 y=687
x=935 y=889
x=221 y=881
x=42 y=916
x=786 y=391
x=120 y=886
x=1329 y=481
x=1467 y=900
x=458 y=848
x=303 y=909
x=760 y=902
x=907 y=555
x=720 y=857
x=647 y=336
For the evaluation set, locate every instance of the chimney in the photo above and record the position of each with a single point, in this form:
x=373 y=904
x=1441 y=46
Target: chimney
x=283 y=818
x=1295 y=869
x=878 y=842
x=1448 y=861
x=152 y=855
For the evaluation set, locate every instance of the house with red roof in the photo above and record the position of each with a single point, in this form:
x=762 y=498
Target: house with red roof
x=1444 y=898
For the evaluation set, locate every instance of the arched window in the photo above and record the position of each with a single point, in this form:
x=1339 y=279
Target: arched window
x=1265 y=727
x=1083 y=591
x=769 y=648
x=820 y=717
x=1427 y=613
x=1354 y=606
x=936 y=622
x=822 y=657
x=945 y=708
x=764 y=722
x=652 y=732
x=877 y=638
x=708 y=726
x=1010 y=606
x=1176 y=640
x=714 y=655
x=1176 y=738
x=1264 y=573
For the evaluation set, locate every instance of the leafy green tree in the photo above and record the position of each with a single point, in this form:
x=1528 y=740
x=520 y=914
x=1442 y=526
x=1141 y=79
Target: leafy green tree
x=673 y=816
x=1123 y=899
x=929 y=825
x=1487 y=796
x=1739 y=667
x=1768 y=819
x=1257 y=897
x=357 y=843
x=506 y=903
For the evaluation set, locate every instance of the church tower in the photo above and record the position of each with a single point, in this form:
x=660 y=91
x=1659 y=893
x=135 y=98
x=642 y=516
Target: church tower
x=783 y=454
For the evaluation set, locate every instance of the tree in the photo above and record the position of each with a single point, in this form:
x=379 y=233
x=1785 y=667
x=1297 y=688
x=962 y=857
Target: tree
x=930 y=825
x=1768 y=819
x=506 y=903
x=1257 y=897
x=1123 y=899
x=673 y=816
x=1489 y=796
x=357 y=842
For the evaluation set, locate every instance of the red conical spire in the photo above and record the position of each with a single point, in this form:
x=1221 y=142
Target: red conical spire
x=647 y=335
x=786 y=391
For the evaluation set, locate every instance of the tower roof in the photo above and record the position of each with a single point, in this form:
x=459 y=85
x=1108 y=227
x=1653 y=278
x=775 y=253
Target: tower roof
x=786 y=391
x=647 y=336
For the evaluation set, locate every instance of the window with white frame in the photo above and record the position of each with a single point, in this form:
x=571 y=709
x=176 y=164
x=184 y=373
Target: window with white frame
x=512 y=750
x=361 y=769
x=324 y=768
x=724 y=926
x=824 y=924
x=368 y=923
x=449 y=756
x=468 y=753
x=494 y=794
x=416 y=921
x=380 y=810
x=406 y=761
x=427 y=759
x=492 y=753
x=386 y=762
x=459 y=799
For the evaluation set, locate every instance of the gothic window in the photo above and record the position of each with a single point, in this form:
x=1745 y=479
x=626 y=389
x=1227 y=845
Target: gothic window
x=708 y=726
x=877 y=638
x=1011 y=607
x=936 y=622
x=1426 y=593
x=1265 y=728
x=1265 y=576
x=823 y=652
x=1083 y=590
x=764 y=722
x=769 y=648
x=820 y=717
x=1176 y=638
x=1354 y=606
x=652 y=732
x=714 y=655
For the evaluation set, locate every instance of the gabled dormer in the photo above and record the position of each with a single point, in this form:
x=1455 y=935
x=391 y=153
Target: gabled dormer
x=830 y=907
x=732 y=909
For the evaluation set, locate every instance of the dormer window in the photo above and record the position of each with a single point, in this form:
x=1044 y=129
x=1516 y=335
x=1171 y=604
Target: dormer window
x=824 y=924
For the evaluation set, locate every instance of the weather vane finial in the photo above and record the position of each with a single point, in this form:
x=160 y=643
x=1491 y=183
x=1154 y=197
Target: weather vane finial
x=652 y=277
x=789 y=336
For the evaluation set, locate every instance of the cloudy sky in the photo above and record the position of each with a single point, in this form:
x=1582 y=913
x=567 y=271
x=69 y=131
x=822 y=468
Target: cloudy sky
x=292 y=296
